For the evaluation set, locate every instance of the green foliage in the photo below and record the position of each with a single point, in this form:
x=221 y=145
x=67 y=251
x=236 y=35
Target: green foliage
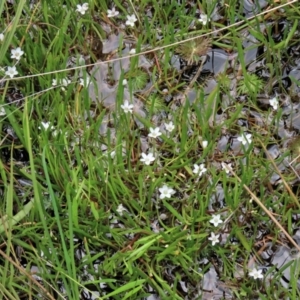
x=83 y=211
x=155 y=103
x=251 y=84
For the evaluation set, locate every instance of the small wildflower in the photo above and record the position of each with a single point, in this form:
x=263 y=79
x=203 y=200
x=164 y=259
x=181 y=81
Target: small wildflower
x=45 y=125
x=131 y=20
x=274 y=103
x=65 y=82
x=124 y=82
x=16 y=53
x=2 y=111
x=121 y=209
x=127 y=108
x=169 y=126
x=226 y=167
x=166 y=192
x=256 y=274
x=82 y=8
x=204 y=144
x=154 y=132
x=54 y=82
x=199 y=169
x=112 y=154
x=112 y=13
x=132 y=51
x=11 y=71
x=147 y=159
x=214 y=238
x=189 y=237
x=216 y=220
x=1 y=37
x=203 y=19
x=244 y=139
x=84 y=81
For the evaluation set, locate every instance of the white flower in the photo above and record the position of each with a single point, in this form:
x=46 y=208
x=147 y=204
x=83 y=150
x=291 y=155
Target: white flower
x=120 y=209
x=214 y=238
x=112 y=13
x=169 y=126
x=130 y=20
x=82 y=8
x=147 y=159
x=226 y=167
x=199 y=169
x=45 y=125
x=84 y=81
x=203 y=19
x=127 y=107
x=204 y=144
x=112 y=154
x=166 y=192
x=274 y=103
x=132 y=51
x=124 y=82
x=11 y=71
x=2 y=111
x=154 y=132
x=1 y=37
x=256 y=274
x=216 y=220
x=244 y=139
x=64 y=82
x=16 y=53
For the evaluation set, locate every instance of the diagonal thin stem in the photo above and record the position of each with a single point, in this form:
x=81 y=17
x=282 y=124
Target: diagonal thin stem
x=257 y=200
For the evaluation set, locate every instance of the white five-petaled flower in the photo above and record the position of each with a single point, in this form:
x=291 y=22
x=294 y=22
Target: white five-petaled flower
x=244 y=139
x=82 y=8
x=214 y=238
x=131 y=20
x=132 y=51
x=1 y=37
x=112 y=13
x=154 y=132
x=226 y=167
x=127 y=108
x=274 y=103
x=203 y=19
x=11 y=71
x=169 y=126
x=256 y=274
x=199 y=169
x=216 y=220
x=16 y=53
x=64 y=82
x=166 y=192
x=147 y=159
x=121 y=209
x=45 y=125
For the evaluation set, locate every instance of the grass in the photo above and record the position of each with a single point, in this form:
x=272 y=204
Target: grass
x=82 y=217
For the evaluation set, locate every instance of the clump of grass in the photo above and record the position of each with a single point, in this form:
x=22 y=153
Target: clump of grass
x=250 y=84
x=139 y=79
x=155 y=103
x=193 y=50
x=85 y=213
